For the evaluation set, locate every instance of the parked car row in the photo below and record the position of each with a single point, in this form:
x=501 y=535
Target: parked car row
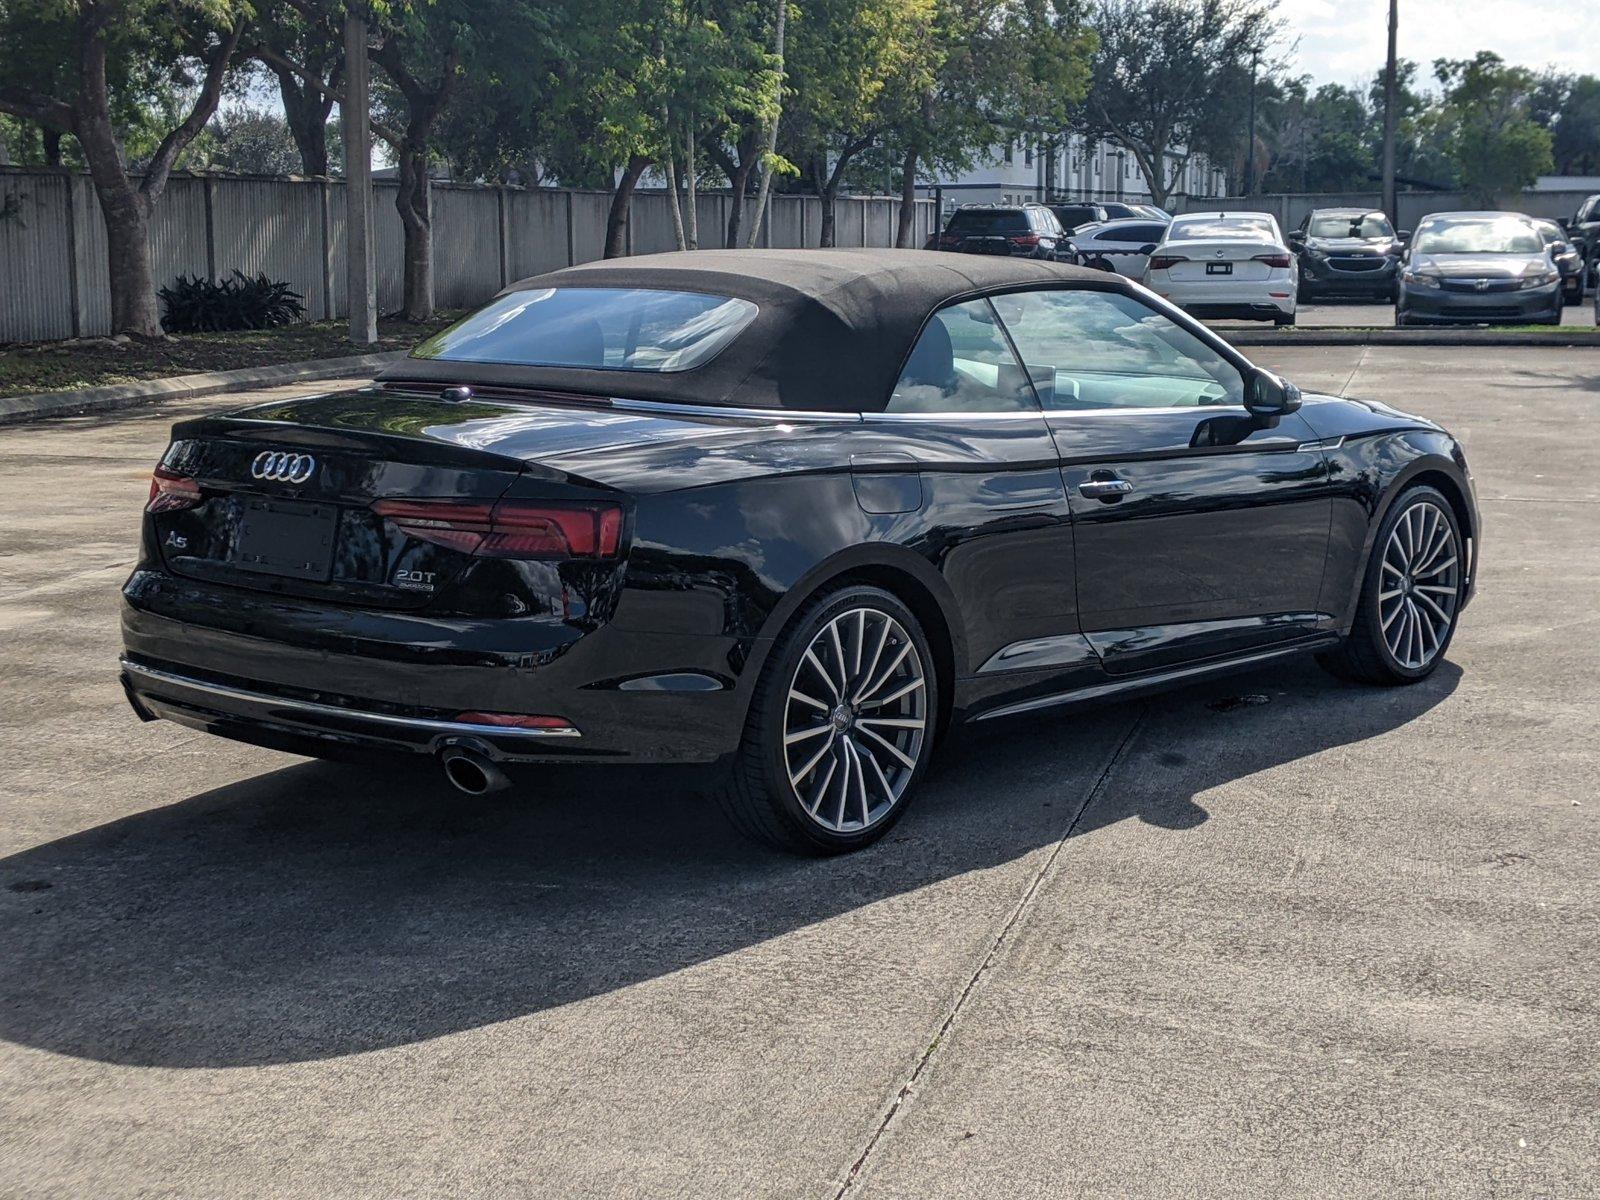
x=1458 y=267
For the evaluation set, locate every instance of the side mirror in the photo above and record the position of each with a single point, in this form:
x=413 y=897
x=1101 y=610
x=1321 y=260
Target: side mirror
x=1269 y=395
x=1565 y=225
x=1148 y=248
x=1402 y=236
x=1297 y=237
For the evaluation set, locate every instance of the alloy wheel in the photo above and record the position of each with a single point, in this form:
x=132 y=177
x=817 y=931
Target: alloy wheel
x=1420 y=585
x=856 y=720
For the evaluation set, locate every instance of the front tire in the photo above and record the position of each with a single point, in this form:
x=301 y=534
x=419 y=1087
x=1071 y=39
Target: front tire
x=840 y=728
x=1410 y=596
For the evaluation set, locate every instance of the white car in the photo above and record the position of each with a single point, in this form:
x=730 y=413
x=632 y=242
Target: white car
x=1226 y=264
x=1123 y=245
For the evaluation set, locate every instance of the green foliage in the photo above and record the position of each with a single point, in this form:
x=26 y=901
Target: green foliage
x=1569 y=106
x=1171 y=73
x=194 y=305
x=249 y=140
x=1491 y=135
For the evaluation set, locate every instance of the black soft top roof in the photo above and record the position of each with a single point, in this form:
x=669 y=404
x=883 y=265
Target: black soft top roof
x=832 y=330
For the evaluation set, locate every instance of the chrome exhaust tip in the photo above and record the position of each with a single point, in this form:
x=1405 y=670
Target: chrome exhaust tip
x=472 y=772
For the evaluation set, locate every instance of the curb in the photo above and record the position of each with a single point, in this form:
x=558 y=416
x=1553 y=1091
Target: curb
x=39 y=405
x=1312 y=336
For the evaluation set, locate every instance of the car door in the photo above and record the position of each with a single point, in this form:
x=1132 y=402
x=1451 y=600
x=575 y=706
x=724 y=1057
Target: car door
x=1199 y=529
x=992 y=504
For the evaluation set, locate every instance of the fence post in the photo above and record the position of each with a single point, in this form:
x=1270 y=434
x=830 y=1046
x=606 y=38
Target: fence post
x=505 y=236
x=74 y=274
x=210 y=192
x=325 y=202
x=572 y=237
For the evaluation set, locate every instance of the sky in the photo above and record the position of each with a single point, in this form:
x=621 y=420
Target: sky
x=1343 y=41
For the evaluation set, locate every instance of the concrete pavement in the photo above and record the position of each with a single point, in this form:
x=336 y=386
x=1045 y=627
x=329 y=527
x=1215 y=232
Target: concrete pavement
x=1271 y=936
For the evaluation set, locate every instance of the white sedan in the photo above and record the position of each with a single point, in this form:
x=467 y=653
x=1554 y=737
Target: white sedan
x=1226 y=264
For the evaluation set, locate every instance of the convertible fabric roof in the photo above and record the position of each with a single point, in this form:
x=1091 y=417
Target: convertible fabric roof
x=832 y=330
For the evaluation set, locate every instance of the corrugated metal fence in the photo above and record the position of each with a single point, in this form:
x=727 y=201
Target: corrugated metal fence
x=53 y=243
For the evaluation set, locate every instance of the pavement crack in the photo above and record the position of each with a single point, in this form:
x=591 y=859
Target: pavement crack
x=1017 y=913
x=1361 y=361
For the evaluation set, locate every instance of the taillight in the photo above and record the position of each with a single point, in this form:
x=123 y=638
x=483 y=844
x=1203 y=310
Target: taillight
x=1273 y=260
x=1025 y=239
x=511 y=528
x=1165 y=262
x=170 y=492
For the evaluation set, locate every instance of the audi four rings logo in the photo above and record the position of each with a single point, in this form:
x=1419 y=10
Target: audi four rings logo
x=282 y=467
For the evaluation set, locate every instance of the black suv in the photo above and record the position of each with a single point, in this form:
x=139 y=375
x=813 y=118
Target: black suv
x=1583 y=231
x=1072 y=216
x=1347 y=252
x=1019 y=230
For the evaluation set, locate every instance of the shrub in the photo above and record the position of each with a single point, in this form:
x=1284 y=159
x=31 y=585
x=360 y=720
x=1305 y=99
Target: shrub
x=196 y=305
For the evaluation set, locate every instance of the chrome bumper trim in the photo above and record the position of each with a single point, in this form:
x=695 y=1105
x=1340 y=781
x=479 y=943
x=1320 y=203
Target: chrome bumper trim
x=310 y=708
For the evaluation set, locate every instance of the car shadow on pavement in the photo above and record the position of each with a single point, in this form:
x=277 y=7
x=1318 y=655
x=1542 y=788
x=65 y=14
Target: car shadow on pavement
x=320 y=910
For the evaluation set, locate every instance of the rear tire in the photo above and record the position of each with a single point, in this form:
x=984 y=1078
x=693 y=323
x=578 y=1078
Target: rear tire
x=1411 y=595
x=1284 y=319
x=840 y=728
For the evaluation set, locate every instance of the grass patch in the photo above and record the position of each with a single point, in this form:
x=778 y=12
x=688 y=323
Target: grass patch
x=69 y=366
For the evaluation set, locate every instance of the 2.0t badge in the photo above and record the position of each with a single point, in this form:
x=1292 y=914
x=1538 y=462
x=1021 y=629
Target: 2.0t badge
x=280 y=466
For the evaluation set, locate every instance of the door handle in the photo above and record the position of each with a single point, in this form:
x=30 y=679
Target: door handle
x=1108 y=490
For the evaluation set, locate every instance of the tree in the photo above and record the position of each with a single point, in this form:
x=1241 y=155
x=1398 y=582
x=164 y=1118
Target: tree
x=422 y=51
x=252 y=141
x=1316 y=141
x=1497 y=147
x=1421 y=155
x=938 y=107
x=62 y=65
x=1569 y=106
x=1170 y=78
x=307 y=35
x=844 y=56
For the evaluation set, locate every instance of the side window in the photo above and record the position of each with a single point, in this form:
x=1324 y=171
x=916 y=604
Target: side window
x=1089 y=350
x=1139 y=235
x=962 y=363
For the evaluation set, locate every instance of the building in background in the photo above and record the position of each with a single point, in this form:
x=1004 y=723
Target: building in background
x=1081 y=170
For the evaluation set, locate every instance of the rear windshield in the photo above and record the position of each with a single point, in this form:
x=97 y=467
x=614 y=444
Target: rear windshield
x=1223 y=227
x=1370 y=225
x=1012 y=221
x=608 y=329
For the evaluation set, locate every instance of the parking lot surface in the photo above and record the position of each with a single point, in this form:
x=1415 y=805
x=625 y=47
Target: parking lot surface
x=1269 y=936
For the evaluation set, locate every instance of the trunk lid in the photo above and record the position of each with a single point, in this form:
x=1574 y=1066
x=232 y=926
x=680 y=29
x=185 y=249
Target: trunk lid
x=288 y=492
x=1200 y=255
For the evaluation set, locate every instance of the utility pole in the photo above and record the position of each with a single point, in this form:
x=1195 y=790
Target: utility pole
x=361 y=279
x=1250 y=145
x=1391 y=203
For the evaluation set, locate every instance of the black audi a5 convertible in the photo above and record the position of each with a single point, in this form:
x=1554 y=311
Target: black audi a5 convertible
x=797 y=512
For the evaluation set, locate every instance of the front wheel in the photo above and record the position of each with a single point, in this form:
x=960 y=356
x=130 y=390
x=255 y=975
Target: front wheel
x=1410 y=597
x=840 y=728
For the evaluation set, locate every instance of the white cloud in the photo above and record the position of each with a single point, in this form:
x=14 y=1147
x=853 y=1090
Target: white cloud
x=1343 y=41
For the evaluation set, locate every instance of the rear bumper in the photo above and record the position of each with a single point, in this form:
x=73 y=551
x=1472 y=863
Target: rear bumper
x=232 y=710
x=341 y=682
x=1252 y=299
